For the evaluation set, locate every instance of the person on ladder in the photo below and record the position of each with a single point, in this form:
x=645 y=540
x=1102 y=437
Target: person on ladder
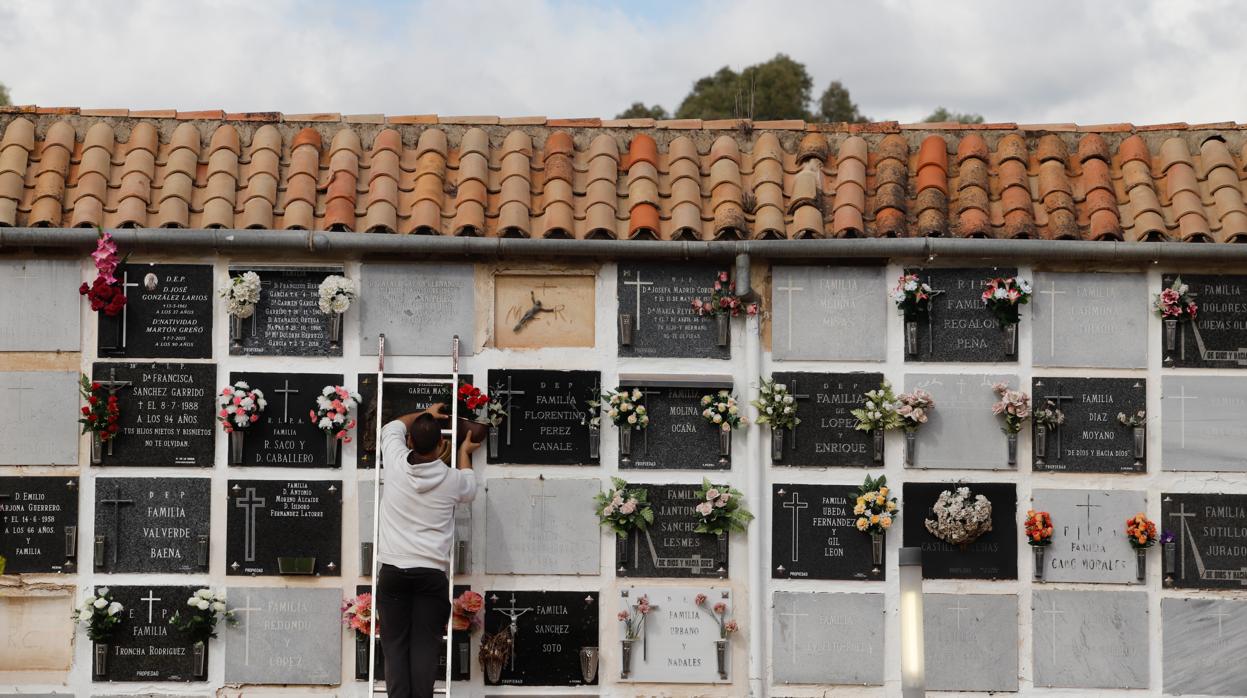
x=416 y=532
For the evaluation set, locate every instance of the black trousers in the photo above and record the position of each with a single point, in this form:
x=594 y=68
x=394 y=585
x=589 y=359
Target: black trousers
x=413 y=610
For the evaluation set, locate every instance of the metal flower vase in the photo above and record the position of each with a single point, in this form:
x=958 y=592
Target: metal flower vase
x=361 y=656
x=625 y=329
x=911 y=447
x=335 y=330
x=911 y=338
x=235 y=331
x=589 y=664
x=720 y=654
x=97 y=448
x=725 y=447
x=721 y=556
x=595 y=443
x=723 y=323
x=235 y=446
x=1171 y=333
x=877 y=439
x=625 y=445
x=621 y=551
x=876 y=550
x=1140 y=445
x=1012 y=439
x=493 y=440
x=1038 y=552
x=625 y=656
x=493 y=668
x=99 y=663
x=777 y=444
x=1171 y=555
x=1140 y=564
x=199 y=660
x=1041 y=443
x=1011 y=339
x=331 y=449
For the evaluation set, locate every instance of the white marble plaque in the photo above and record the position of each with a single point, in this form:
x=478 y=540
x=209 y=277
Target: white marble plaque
x=971 y=642
x=1088 y=540
x=829 y=313
x=36 y=633
x=677 y=643
x=535 y=526
x=1205 y=641
x=828 y=638
x=418 y=307
x=1095 y=319
x=42 y=308
x=1204 y=423
x=284 y=635
x=40 y=422
x=1090 y=639
x=962 y=432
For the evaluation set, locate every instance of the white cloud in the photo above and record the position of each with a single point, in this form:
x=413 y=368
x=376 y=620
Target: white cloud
x=1143 y=62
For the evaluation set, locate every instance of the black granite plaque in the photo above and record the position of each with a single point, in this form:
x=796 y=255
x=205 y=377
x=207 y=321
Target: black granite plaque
x=827 y=434
x=284 y=527
x=813 y=535
x=678 y=437
x=658 y=298
x=287 y=320
x=461 y=670
x=39 y=524
x=1208 y=532
x=167 y=412
x=146 y=646
x=548 y=419
x=285 y=436
x=152 y=524
x=168 y=313
x=1091 y=440
x=669 y=547
x=400 y=399
x=1218 y=336
x=992 y=556
x=549 y=629
x=960 y=327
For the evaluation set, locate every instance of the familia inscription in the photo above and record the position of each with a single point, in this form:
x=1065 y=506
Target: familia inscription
x=167 y=412
x=1089 y=319
x=403 y=301
x=677 y=639
x=957 y=429
x=1202 y=425
x=678 y=437
x=1209 y=538
x=1217 y=337
x=813 y=534
x=827 y=434
x=284 y=527
x=156 y=524
x=284 y=636
x=528 y=532
x=287 y=320
x=547 y=420
x=285 y=435
x=960 y=327
x=669 y=547
x=1089 y=541
x=812 y=304
x=39 y=524
x=167 y=315
x=1091 y=439
x=549 y=631
x=655 y=301
x=971 y=641
x=146 y=646
x=821 y=638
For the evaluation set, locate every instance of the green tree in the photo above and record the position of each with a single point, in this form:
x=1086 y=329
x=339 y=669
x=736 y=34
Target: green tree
x=776 y=89
x=942 y=115
x=638 y=110
x=835 y=105
x=4 y=95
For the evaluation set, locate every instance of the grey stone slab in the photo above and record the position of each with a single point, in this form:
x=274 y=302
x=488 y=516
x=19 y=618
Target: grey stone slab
x=971 y=642
x=962 y=432
x=284 y=636
x=51 y=286
x=677 y=644
x=48 y=399
x=829 y=313
x=1090 y=639
x=532 y=527
x=1203 y=424
x=1204 y=642
x=1094 y=319
x=418 y=307
x=1088 y=539
x=827 y=638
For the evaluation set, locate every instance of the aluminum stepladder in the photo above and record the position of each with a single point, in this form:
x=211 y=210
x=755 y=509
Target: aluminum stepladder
x=453 y=433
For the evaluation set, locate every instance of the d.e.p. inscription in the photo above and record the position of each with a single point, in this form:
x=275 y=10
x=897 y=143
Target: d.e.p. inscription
x=167 y=315
x=167 y=412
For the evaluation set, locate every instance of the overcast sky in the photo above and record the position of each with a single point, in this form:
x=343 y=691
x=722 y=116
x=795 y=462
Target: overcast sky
x=1083 y=61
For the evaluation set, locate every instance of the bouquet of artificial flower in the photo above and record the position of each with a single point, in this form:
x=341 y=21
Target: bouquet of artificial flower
x=100 y=614
x=357 y=614
x=1014 y=406
x=624 y=409
x=242 y=294
x=723 y=300
x=1176 y=302
x=721 y=510
x=337 y=293
x=101 y=413
x=240 y=405
x=1133 y=421
x=875 y=511
x=721 y=410
x=624 y=508
x=1140 y=531
x=912 y=296
x=1048 y=417
x=914 y=408
x=473 y=398
x=105 y=292
x=207 y=609
x=633 y=624
x=1038 y=528
x=465 y=611
x=719 y=613
x=333 y=411
x=776 y=406
x=878 y=412
x=1004 y=296
x=959 y=517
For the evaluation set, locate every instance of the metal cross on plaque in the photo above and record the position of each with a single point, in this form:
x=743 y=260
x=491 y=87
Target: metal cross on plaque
x=117 y=502
x=638 y=283
x=795 y=505
x=796 y=397
x=1057 y=400
x=251 y=504
x=513 y=615
x=509 y=392
x=125 y=309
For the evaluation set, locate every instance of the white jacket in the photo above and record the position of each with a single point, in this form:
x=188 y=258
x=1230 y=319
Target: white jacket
x=418 y=505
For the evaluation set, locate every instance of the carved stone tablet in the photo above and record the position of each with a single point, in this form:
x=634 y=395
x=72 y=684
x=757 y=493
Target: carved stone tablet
x=152 y=525
x=677 y=642
x=1203 y=645
x=670 y=547
x=533 y=311
x=168 y=313
x=531 y=529
x=962 y=432
x=1090 y=639
x=39 y=524
x=1202 y=423
x=285 y=436
x=36 y=630
x=827 y=434
x=1091 y=439
x=287 y=320
x=678 y=437
x=1093 y=319
x=550 y=628
x=51 y=285
x=284 y=527
x=284 y=636
x=547 y=420
x=1208 y=534
x=959 y=326
x=167 y=412
x=828 y=638
x=991 y=556
x=657 y=299
x=971 y=642
x=48 y=399
x=812 y=305
x=146 y=647
x=418 y=307
x=1089 y=540
x=401 y=398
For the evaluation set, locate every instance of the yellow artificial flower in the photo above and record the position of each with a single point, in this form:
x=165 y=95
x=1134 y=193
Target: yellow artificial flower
x=861 y=501
x=891 y=506
x=874 y=518
x=861 y=524
x=859 y=509
x=886 y=522
x=883 y=491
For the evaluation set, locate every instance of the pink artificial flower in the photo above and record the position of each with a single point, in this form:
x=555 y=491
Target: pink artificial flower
x=751 y=309
x=237 y=400
x=223 y=413
x=699 y=599
x=624 y=615
x=350 y=424
x=225 y=391
x=731 y=626
x=720 y=608
x=255 y=418
x=722 y=276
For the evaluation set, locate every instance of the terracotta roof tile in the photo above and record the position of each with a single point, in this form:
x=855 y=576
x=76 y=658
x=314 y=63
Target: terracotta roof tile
x=523 y=121
x=412 y=119
x=574 y=123
x=105 y=112
x=210 y=114
x=320 y=116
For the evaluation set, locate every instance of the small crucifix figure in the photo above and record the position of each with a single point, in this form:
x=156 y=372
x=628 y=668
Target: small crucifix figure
x=1057 y=400
x=112 y=385
x=509 y=392
x=532 y=312
x=117 y=502
x=513 y=614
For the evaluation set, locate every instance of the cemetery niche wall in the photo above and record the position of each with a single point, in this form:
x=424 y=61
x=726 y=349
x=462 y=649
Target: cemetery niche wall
x=39 y=524
x=827 y=434
x=670 y=547
x=167 y=315
x=167 y=412
x=678 y=436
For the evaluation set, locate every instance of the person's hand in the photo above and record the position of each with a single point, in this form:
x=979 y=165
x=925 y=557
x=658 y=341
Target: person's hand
x=468 y=444
x=438 y=410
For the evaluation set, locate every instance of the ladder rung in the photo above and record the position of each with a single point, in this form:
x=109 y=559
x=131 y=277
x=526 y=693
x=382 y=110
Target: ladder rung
x=433 y=381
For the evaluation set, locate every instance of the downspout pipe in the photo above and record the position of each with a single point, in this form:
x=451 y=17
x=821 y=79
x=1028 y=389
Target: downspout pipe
x=755 y=477
x=344 y=245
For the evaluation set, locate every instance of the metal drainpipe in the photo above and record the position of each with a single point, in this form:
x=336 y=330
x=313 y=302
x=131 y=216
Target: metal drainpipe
x=756 y=480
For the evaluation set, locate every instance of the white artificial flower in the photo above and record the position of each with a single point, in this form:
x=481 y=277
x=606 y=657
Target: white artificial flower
x=242 y=385
x=325 y=423
x=203 y=605
x=100 y=603
x=218 y=607
x=632 y=419
x=911 y=285
x=103 y=591
x=328 y=390
x=192 y=601
x=114 y=608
